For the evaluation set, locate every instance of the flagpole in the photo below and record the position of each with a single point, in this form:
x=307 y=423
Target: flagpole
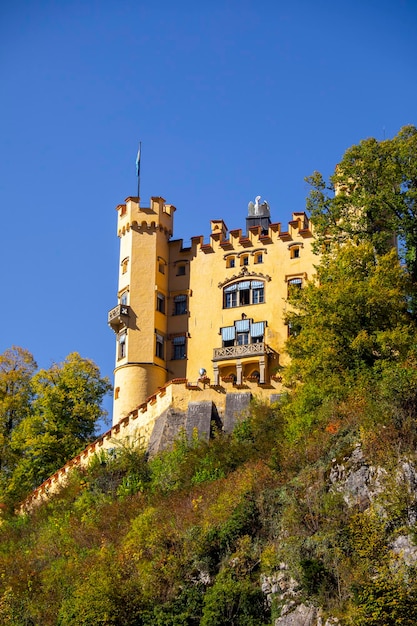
x=138 y=166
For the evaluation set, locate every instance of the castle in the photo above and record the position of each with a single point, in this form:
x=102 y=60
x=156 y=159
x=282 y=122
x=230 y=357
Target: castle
x=199 y=330
x=211 y=314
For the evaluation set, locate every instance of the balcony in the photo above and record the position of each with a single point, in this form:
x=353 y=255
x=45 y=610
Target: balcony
x=239 y=352
x=118 y=316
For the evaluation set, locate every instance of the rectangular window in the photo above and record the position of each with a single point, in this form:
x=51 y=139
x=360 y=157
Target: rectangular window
x=121 y=345
x=230 y=299
x=159 y=351
x=180 y=304
x=180 y=270
x=178 y=345
x=244 y=292
x=160 y=303
x=242 y=339
x=228 y=336
x=244 y=297
x=258 y=296
x=257 y=332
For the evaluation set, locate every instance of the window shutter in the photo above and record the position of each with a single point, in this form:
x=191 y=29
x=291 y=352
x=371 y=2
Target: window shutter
x=257 y=329
x=228 y=333
x=242 y=326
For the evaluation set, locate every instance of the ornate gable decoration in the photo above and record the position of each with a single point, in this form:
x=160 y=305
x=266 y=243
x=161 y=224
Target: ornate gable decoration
x=244 y=272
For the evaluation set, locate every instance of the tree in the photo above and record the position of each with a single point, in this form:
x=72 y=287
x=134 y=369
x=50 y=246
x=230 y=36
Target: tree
x=65 y=411
x=354 y=315
x=17 y=367
x=375 y=199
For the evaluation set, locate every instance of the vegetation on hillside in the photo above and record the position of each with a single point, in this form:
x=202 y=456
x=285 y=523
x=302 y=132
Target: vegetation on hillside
x=310 y=501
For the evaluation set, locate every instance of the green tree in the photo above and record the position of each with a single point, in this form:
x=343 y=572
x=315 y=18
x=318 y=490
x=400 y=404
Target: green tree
x=375 y=199
x=354 y=315
x=17 y=367
x=65 y=410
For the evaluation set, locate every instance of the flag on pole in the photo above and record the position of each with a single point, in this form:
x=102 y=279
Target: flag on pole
x=138 y=162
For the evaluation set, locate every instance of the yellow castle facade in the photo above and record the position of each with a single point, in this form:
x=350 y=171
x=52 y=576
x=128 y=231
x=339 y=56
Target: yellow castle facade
x=210 y=315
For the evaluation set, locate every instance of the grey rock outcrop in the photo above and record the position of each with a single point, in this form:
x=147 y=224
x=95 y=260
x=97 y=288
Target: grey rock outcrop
x=357 y=481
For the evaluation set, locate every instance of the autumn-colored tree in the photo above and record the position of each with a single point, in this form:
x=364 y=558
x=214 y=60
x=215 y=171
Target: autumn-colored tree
x=62 y=421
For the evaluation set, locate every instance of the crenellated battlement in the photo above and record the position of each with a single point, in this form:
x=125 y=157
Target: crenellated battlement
x=158 y=216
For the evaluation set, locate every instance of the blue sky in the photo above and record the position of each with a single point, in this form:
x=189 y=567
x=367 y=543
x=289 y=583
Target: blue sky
x=230 y=99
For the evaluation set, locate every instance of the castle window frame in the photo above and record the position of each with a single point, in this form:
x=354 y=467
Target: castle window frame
x=180 y=304
x=244 y=293
x=124 y=264
x=258 y=292
x=160 y=302
x=295 y=249
x=179 y=348
x=259 y=258
x=124 y=297
x=231 y=261
x=181 y=269
x=242 y=333
x=294 y=283
x=230 y=297
x=161 y=265
x=121 y=345
x=159 y=346
x=244 y=259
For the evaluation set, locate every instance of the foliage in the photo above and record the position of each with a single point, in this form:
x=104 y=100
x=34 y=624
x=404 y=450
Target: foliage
x=376 y=197
x=47 y=417
x=231 y=530
x=353 y=316
x=17 y=367
x=236 y=602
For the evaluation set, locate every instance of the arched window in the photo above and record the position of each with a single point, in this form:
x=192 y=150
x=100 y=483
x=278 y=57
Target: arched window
x=244 y=293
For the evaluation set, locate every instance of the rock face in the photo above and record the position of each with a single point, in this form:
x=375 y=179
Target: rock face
x=283 y=587
x=302 y=615
x=357 y=481
x=404 y=548
x=360 y=485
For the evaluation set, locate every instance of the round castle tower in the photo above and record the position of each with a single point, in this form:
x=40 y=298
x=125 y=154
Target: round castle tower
x=138 y=319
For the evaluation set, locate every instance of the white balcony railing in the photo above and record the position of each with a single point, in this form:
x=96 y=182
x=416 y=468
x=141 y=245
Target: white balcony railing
x=233 y=352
